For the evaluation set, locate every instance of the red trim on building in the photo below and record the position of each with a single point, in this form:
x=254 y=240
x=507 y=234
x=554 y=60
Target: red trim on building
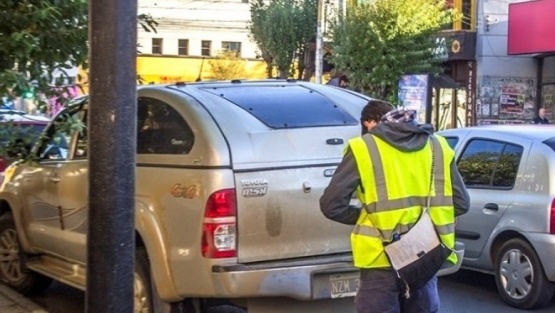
x=531 y=27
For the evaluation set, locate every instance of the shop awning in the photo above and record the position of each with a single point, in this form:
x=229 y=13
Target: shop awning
x=444 y=81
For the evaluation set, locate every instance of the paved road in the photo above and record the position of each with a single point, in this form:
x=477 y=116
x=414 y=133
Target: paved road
x=464 y=292
x=470 y=292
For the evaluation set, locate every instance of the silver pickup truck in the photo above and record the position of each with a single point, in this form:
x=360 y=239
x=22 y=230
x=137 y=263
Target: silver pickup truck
x=227 y=185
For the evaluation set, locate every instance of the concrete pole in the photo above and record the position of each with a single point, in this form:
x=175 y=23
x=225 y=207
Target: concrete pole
x=341 y=10
x=112 y=136
x=318 y=67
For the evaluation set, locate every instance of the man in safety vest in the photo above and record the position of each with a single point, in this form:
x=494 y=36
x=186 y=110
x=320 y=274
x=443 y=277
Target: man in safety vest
x=389 y=168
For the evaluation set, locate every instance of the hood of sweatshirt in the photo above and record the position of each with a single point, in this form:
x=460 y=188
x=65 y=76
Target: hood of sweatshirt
x=404 y=136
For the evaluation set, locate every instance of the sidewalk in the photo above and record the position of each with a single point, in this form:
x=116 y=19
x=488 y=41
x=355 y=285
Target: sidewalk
x=12 y=302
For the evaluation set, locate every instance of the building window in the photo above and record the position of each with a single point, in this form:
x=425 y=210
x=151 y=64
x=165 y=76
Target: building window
x=183 y=47
x=232 y=46
x=157 y=45
x=468 y=10
x=205 y=47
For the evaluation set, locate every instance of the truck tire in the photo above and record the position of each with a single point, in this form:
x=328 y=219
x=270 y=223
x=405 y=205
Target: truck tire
x=146 y=299
x=520 y=278
x=13 y=271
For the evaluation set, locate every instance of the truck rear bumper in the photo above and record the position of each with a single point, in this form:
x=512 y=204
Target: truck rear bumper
x=336 y=278
x=289 y=279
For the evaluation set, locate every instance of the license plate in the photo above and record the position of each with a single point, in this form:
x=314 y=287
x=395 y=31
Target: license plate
x=344 y=285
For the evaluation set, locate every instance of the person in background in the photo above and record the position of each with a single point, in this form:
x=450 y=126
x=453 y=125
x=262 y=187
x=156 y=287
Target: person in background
x=389 y=169
x=540 y=119
x=339 y=80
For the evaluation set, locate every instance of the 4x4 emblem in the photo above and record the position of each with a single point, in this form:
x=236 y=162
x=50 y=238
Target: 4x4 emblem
x=188 y=192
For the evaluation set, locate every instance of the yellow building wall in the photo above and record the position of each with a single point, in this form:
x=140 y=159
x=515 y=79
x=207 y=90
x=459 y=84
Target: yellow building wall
x=159 y=69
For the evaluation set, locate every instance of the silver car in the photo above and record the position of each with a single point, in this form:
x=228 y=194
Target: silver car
x=509 y=230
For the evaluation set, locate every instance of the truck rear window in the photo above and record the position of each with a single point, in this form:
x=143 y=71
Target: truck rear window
x=286 y=106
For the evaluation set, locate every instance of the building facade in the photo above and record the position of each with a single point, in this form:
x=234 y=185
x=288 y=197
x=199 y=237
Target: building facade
x=191 y=32
x=531 y=33
x=496 y=85
x=506 y=84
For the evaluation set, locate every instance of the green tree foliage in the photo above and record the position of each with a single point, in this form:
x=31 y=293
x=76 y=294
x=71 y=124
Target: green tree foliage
x=282 y=30
x=227 y=65
x=381 y=40
x=39 y=38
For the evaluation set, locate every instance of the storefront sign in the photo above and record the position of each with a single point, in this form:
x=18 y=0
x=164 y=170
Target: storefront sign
x=456 y=45
x=470 y=97
x=531 y=27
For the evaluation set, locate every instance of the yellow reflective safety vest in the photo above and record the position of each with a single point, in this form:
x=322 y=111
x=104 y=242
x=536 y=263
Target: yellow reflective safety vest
x=393 y=194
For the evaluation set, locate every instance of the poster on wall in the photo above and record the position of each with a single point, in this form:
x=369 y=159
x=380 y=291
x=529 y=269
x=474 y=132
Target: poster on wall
x=505 y=100
x=511 y=99
x=413 y=93
x=548 y=95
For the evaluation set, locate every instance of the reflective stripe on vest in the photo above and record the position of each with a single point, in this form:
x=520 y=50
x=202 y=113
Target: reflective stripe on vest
x=384 y=217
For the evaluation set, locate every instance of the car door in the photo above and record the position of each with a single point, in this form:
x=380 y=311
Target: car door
x=489 y=170
x=39 y=188
x=72 y=192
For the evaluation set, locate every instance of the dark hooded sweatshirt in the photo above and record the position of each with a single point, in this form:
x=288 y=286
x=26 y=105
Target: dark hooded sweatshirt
x=335 y=202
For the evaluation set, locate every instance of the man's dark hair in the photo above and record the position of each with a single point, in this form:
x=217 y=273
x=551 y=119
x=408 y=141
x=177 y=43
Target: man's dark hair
x=373 y=111
x=343 y=78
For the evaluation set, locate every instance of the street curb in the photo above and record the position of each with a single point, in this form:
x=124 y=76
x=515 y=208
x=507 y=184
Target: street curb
x=10 y=298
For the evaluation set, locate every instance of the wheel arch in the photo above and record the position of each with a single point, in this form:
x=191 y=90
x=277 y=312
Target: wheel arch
x=503 y=237
x=6 y=207
x=149 y=235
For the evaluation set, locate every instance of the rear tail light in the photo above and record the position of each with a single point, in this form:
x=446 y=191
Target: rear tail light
x=552 y=218
x=219 y=235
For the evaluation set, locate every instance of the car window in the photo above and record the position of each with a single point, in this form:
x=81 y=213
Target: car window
x=161 y=129
x=287 y=106
x=15 y=136
x=56 y=143
x=452 y=141
x=489 y=164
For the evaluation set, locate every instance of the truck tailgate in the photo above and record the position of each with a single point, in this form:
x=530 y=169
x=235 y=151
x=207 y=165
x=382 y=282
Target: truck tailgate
x=279 y=215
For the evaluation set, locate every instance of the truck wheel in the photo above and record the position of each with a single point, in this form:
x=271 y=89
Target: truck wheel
x=520 y=277
x=146 y=299
x=142 y=302
x=13 y=271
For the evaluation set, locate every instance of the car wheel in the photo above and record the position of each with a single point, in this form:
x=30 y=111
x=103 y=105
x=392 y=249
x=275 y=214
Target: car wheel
x=519 y=276
x=13 y=271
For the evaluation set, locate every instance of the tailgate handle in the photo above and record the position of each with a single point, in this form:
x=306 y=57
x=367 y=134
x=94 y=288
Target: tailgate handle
x=334 y=141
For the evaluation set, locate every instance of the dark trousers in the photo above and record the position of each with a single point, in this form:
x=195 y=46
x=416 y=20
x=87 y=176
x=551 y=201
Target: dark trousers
x=381 y=291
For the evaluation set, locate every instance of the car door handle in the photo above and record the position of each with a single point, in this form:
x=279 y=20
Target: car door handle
x=54 y=179
x=491 y=206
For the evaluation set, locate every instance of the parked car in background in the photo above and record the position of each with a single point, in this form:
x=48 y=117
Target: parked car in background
x=18 y=132
x=228 y=179
x=509 y=230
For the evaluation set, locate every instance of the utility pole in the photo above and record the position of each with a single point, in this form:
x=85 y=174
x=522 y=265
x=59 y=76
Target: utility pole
x=112 y=121
x=318 y=67
x=341 y=10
